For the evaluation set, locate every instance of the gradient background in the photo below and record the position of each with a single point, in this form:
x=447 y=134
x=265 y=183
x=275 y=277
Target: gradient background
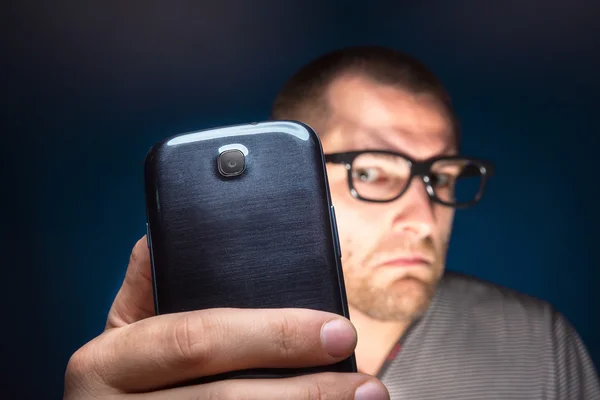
x=88 y=87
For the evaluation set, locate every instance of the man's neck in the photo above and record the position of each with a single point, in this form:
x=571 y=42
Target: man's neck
x=375 y=340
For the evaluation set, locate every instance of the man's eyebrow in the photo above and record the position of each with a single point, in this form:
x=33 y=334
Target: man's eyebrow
x=449 y=149
x=375 y=140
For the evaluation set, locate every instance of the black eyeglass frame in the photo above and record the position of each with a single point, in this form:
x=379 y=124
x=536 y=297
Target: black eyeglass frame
x=420 y=169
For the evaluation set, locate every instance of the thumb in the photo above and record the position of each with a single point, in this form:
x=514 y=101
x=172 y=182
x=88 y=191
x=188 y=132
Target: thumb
x=134 y=301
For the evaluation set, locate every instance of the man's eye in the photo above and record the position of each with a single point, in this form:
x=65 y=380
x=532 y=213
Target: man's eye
x=441 y=179
x=367 y=174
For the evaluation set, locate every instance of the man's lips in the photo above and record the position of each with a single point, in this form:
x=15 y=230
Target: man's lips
x=408 y=261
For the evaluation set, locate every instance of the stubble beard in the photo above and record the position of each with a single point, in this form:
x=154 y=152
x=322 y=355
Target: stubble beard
x=406 y=299
x=403 y=300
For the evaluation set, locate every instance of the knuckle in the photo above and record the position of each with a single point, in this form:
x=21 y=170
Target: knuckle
x=184 y=348
x=287 y=336
x=134 y=256
x=326 y=386
x=78 y=365
x=314 y=391
x=137 y=255
x=82 y=373
x=194 y=341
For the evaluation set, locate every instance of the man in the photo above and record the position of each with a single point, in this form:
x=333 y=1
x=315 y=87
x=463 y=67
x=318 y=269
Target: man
x=392 y=145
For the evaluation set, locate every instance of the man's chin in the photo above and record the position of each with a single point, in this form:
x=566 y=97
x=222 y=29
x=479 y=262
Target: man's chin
x=408 y=281
x=410 y=295
x=404 y=299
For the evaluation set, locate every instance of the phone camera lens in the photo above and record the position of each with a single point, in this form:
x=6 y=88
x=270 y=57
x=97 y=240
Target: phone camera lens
x=231 y=163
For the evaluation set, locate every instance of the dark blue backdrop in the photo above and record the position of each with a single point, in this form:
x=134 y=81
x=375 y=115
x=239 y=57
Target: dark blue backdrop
x=91 y=87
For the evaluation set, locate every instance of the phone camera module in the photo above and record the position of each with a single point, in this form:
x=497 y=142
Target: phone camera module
x=231 y=163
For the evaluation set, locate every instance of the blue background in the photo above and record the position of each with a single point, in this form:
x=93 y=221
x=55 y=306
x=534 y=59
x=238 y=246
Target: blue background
x=88 y=88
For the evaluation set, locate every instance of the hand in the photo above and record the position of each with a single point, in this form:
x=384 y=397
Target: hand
x=142 y=356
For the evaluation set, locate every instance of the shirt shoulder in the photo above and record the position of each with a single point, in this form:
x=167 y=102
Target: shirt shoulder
x=484 y=301
x=482 y=340
x=475 y=318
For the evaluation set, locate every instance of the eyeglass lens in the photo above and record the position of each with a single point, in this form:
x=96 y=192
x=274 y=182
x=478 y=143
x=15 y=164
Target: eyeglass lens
x=383 y=177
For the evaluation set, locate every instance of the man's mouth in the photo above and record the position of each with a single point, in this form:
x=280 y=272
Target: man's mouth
x=415 y=260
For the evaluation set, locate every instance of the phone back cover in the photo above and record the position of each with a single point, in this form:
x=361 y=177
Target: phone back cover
x=264 y=239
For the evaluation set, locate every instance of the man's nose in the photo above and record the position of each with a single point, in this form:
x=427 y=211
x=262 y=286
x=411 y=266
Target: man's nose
x=414 y=211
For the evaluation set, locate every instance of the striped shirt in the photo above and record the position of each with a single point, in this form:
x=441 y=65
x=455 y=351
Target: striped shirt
x=480 y=341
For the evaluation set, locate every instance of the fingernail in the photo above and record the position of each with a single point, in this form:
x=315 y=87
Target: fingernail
x=371 y=391
x=338 y=338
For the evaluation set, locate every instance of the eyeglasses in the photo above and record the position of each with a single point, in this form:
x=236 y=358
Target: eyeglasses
x=383 y=176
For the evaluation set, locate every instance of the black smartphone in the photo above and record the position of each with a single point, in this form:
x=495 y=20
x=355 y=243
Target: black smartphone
x=241 y=216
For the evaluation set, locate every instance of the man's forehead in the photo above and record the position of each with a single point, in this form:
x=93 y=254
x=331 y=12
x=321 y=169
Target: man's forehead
x=365 y=114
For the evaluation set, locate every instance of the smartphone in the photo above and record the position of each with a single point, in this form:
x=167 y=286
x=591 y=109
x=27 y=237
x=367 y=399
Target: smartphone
x=241 y=216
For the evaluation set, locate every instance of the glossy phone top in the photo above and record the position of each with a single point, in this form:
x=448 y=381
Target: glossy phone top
x=261 y=238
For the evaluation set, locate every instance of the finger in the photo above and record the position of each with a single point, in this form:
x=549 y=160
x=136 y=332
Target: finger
x=317 y=386
x=174 y=348
x=134 y=301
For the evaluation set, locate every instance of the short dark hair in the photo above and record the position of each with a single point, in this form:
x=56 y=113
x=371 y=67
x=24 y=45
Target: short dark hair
x=303 y=95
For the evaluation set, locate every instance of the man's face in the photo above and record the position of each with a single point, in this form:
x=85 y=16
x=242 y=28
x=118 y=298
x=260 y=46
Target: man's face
x=393 y=253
